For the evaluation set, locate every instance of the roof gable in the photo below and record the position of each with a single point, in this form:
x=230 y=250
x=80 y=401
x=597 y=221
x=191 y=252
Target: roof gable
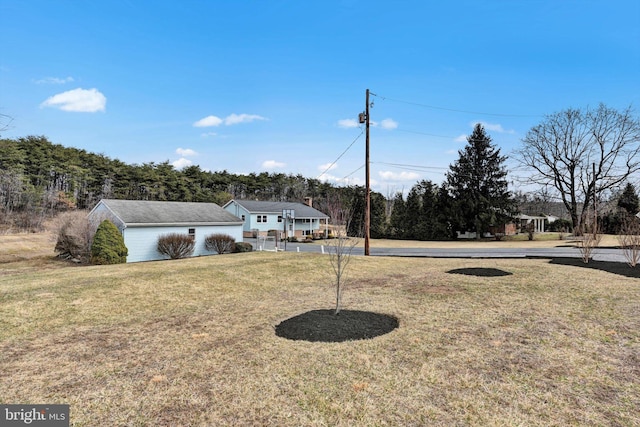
x=301 y=210
x=144 y=212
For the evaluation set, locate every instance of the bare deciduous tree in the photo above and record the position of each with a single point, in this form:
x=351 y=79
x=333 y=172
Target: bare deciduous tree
x=589 y=241
x=583 y=154
x=341 y=247
x=629 y=239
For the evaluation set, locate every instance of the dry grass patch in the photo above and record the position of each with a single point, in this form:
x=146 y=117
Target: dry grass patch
x=25 y=246
x=192 y=342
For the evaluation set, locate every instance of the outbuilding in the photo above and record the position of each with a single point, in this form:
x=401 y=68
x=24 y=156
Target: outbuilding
x=142 y=222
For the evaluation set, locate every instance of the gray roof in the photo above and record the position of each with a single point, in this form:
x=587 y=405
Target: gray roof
x=301 y=210
x=144 y=212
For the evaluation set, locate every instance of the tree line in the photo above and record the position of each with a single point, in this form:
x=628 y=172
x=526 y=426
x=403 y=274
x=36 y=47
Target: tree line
x=581 y=157
x=39 y=178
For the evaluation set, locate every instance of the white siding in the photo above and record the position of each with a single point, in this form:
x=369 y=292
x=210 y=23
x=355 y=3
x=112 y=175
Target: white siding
x=239 y=211
x=141 y=242
x=271 y=224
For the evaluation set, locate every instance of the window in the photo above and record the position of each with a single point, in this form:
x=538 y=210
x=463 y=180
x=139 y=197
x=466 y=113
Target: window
x=262 y=218
x=279 y=218
x=192 y=233
x=243 y=218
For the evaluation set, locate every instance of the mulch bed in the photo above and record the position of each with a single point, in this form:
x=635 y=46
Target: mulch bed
x=621 y=268
x=482 y=272
x=326 y=326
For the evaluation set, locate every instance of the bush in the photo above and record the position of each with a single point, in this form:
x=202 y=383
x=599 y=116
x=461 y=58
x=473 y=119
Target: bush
x=73 y=234
x=560 y=225
x=108 y=245
x=530 y=229
x=176 y=245
x=219 y=243
x=242 y=247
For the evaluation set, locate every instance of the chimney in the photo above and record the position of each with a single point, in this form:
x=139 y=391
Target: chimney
x=308 y=201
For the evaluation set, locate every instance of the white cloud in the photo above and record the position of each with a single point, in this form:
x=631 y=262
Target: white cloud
x=181 y=163
x=54 y=80
x=186 y=152
x=78 y=100
x=327 y=167
x=395 y=176
x=388 y=124
x=231 y=119
x=208 y=122
x=208 y=134
x=494 y=127
x=353 y=123
x=351 y=180
x=347 y=123
x=234 y=119
x=273 y=164
x=461 y=138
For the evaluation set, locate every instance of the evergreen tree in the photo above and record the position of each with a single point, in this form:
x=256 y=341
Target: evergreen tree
x=477 y=182
x=108 y=245
x=425 y=213
x=414 y=218
x=444 y=212
x=628 y=200
x=355 y=197
x=398 y=220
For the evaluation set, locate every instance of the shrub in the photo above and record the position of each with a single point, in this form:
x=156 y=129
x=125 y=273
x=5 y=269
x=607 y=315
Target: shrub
x=176 y=245
x=73 y=234
x=629 y=239
x=530 y=229
x=219 y=243
x=108 y=245
x=560 y=225
x=242 y=247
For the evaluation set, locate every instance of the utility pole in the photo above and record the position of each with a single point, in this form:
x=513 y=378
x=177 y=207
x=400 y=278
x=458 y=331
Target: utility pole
x=367 y=203
x=364 y=118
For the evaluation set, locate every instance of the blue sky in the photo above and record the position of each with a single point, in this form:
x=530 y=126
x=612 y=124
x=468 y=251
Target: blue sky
x=252 y=86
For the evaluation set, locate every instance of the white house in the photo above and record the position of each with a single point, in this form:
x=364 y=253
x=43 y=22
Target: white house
x=142 y=222
x=538 y=221
x=298 y=219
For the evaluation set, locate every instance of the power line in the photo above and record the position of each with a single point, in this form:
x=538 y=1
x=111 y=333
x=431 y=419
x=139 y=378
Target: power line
x=384 y=98
x=347 y=176
x=340 y=156
x=411 y=167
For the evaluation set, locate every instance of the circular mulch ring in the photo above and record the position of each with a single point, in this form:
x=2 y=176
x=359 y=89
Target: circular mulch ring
x=482 y=272
x=326 y=326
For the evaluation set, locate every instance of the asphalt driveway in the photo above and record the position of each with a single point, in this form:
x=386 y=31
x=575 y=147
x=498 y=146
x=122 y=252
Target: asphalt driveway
x=599 y=254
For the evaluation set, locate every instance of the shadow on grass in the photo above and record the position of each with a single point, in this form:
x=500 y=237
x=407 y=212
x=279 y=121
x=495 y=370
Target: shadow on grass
x=325 y=326
x=620 y=268
x=481 y=272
